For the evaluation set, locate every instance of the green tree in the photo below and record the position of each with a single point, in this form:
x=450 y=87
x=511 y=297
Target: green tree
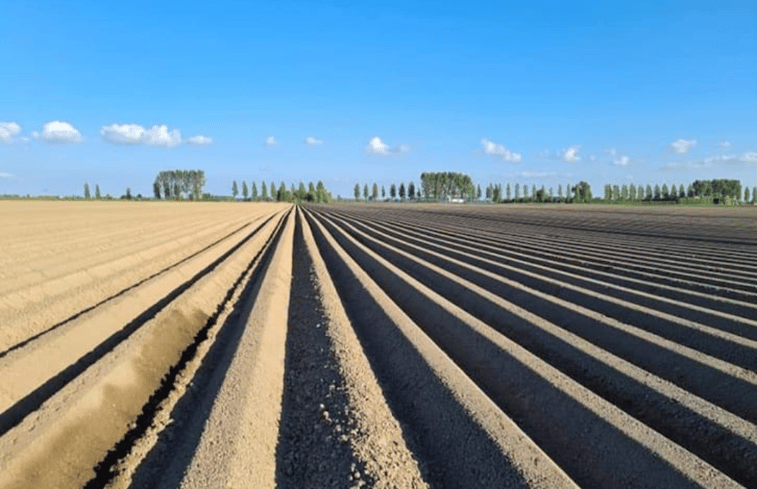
x=665 y=191
x=754 y=194
x=508 y=193
x=357 y=191
x=681 y=191
x=282 y=195
x=234 y=189
x=383 y=192
x=657 y=192
x=478 y=191
x=746 y=194
x=97 y=191
x=374 y=191
x=559 y=191
x=496 y=193
x=254 y=191
x=128 y=193
x=525 y=191
x=393 y=191
x=517 y=191
x=245 y=190
x=411 y=191
x=632 y=192
x=156 y=189
x=582 y=192
x=624 y=192
x=365 y=191
x=86 y=191
x=402 y=191
x=264 y=191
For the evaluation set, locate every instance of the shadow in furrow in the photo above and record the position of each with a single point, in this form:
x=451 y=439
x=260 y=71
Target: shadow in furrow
x=591 y=449
x=313 y=448
x=453 y=450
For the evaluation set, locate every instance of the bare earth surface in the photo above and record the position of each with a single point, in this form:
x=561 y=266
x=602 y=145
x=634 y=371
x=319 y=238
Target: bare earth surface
x=267 y=345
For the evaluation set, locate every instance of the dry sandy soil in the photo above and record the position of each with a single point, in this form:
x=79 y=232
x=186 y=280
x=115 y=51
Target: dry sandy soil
x=268 y=345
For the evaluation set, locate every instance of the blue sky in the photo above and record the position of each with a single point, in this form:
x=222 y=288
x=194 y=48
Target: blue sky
x=532 y=93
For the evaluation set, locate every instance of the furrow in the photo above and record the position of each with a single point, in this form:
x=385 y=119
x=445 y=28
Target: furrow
x=92 y=403
x=524 y=385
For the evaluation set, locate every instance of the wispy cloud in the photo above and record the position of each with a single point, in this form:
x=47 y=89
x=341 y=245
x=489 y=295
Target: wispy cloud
x=7 y=131
x=570 y=153
x=538 y=174
x=499 y=151
x=683 y=145
x=311 y=140
x=270 y=141
x=200 y=140
x=5 y=175
x=725 y=144
x=59 y=132
x=378 y=147
x=617 y=158
x=745 y=159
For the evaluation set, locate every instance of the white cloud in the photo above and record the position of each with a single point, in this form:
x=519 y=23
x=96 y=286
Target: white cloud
x=59 y=132
x=378 y=147
x=617 y=158
x=495 y=149
x=123 y=134
x=570 y=154
x=725 y=144
x=312 y=140
x=683 y=145
x=270 y=141
x=8 y=130
x=749 y=157
x=200 y=140
x=623 y=160
x=161 y=136
x=5 y=175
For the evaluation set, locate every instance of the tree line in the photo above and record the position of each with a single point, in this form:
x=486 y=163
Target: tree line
x=317 y=194
x=710 y=191
x=176 y=183
x=395 y=192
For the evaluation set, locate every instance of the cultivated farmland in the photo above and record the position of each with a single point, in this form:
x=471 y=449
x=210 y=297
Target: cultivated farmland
x=261 y=345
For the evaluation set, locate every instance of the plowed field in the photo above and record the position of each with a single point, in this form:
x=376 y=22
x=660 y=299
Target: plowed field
x=266 y=345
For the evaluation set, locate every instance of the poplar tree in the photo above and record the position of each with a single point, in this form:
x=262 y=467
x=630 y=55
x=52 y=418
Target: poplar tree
x=87 y=196
x=245 y=190
x=356 y=191
x=234 y=189
x=254 y=191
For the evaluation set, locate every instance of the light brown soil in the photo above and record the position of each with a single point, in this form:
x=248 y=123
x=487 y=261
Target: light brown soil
x=264 y=345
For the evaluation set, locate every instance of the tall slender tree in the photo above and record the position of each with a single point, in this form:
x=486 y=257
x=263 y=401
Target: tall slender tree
x=254 y=195
x=356 y=191
x=383 y=192
x=374 y=191
x=508 y=192
x=411 y=191
x=393 y=191
x=365 y=191
x=402 y=191
x=234 y=189
x=86 y=191
x=263 y=191
x=245 y=190
x=97 y=191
